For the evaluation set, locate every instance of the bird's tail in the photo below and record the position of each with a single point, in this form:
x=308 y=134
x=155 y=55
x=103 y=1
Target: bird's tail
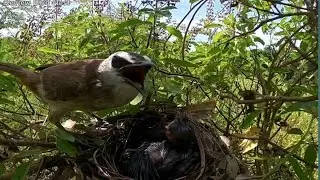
x=26 y=76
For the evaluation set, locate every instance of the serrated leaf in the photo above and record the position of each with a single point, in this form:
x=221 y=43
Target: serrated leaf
x=48 y=50
x=310 y=154
x=172 y=30
x=21 y=171
x=66 y=147
x=133 y=22
x=295 y=131
x=64 y=135
x=249 y=120
x=179 y=62
x=2 y=169
x=297 y=169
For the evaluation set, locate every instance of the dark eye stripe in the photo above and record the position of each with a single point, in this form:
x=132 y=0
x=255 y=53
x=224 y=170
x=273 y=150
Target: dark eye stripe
x=119 y=62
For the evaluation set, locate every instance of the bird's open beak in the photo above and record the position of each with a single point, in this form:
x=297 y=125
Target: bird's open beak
x=135 y=73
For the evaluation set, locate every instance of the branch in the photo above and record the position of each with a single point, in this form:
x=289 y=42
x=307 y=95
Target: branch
x=177 y=74
x=276 y=145
x=286 y=4
x=178 y=25
x=27 y=143
x=265 y=22
x=272 y=98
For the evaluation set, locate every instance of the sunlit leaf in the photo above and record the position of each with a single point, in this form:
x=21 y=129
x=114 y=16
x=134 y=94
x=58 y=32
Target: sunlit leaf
x=217 y=36
x=212 y=25
x=48 y=50
x=137 y=99
x=172 y=30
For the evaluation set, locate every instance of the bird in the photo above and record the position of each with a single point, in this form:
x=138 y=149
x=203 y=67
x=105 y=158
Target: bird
x=86 y=85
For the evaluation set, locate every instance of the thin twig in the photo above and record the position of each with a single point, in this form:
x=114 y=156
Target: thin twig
x=271 y=98
x=27 y=143
x=186 y=32
x=265 y=22
x=177 y=74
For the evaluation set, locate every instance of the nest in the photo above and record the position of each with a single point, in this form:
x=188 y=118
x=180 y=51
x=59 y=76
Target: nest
x=153 y=144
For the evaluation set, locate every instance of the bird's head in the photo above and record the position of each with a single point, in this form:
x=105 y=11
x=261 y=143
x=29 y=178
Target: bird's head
x=132 y=67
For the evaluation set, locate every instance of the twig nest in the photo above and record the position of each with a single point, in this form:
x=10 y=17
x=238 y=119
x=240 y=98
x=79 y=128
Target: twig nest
x=154 y=145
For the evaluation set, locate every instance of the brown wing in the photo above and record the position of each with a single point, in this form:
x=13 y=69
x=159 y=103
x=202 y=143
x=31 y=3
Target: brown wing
x=67 y=81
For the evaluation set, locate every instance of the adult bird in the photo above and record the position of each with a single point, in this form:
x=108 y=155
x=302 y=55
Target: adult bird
x=85 y=85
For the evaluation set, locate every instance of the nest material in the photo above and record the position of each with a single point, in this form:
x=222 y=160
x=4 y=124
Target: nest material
x=152 y=145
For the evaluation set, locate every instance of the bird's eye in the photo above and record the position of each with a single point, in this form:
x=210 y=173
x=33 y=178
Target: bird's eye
x=119 y=62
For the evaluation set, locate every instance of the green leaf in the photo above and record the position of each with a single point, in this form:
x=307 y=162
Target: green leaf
x=2 y=54
x=310 y=154
x=48 y=50
x=193 y=1
x=218 y=36
x=179 y=62
x=212 y=25
x=137 y=99
x=64 y=135
x=295 y=131
x=248 y=121
x=21 y=171
x=145 y=10
x=67 y=147
x=85 y=40
x=2 y=169
x=297 y=169
x=6 y=101
x=308 y=107
x=172 y=30
x=133 y=22
x=168 y=8
x=257 y=39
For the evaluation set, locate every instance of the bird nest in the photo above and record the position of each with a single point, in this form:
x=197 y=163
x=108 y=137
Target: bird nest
x=154 y=144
